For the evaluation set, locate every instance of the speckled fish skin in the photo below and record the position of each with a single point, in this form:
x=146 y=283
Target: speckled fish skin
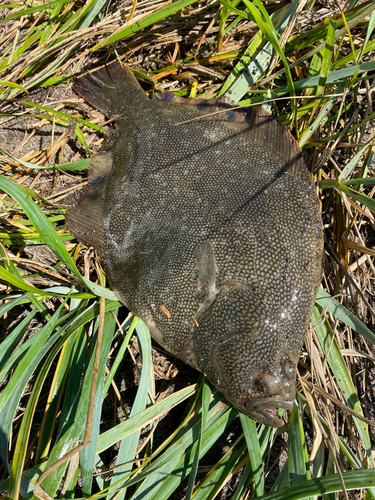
x=209 y=230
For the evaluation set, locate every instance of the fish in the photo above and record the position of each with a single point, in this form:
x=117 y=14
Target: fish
x=208 y=226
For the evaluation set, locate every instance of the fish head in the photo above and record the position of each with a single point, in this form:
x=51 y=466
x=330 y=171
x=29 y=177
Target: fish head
x=246 y=353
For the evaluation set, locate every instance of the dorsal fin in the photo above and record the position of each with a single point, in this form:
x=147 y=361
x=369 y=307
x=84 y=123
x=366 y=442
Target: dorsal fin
x=111 y=89
x=256 y=123
x=277 y=139
x=221 y=109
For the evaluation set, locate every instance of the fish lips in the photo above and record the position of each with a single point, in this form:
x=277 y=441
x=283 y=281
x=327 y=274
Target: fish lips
x=265 y=410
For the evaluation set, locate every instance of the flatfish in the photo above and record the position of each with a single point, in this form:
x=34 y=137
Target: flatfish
x=208 y=226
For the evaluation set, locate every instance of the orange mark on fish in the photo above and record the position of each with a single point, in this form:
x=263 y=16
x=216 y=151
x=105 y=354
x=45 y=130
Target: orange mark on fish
x=196 y=322
x=165 y=310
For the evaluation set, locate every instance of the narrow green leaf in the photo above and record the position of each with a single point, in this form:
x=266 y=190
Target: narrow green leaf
x=333 y=183
x=343 y=61
x=270 y=33
x=72 y=425
x=87 y=455
x=81 y=138
x=253 y=448
x=216 y=480
x=19 y=283
x=9 y=410
x=31 y=10
x=332 y=78
x=362 y=198
x=94 y=9
x=53 y=404
x=75 y=165
x=51 y=23
x=348 y=169
x=67 y=117
x=48 y=233
x=354 y=480
x=298 y=463
x=128 y=447
x=153 y=18
x=370 y=29
x=161 y=484
x=121 y=352
x=351 y=457
x=29 y=40
x=38 y=346
x=26 y=367
x=332 y=305
x=327 y=57
x=206 y=394
x=14 y=337
x=14 y=86
x=340 y=371
x=124 y=429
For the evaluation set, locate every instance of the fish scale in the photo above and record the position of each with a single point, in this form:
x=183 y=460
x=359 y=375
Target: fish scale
x=208 y=225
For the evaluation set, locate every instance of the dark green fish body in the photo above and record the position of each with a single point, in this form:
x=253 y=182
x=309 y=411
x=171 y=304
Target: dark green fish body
x=209 y=229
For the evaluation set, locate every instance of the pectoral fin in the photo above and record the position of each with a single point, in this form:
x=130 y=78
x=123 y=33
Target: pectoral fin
x=207 y=280
x=206 y=269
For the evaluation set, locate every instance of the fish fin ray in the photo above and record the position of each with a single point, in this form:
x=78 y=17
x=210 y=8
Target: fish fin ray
x=259 y=125
x=265 y=130
x=221 y=109
x=206 y=264
x=109 y=88
x=85 y=221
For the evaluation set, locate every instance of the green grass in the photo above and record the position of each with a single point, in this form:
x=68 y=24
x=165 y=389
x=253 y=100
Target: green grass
x=318 y=76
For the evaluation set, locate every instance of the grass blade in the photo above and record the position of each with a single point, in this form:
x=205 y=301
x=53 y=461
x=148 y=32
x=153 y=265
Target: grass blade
x=298 y=464
x=23 y=435
x=139 y=24
x=128 y=447
x=87 y=455
x=354 y=480
x=48 y=233
x=253 y=448
x=340 y=371
x=32 y=10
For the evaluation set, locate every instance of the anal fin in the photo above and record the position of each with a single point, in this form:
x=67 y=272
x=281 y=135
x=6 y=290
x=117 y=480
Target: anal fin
x=85 y=221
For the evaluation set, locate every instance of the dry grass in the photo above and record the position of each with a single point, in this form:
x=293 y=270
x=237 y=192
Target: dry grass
x=179 y=53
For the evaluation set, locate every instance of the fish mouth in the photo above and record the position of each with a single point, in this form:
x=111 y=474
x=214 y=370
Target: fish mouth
x=265 y=411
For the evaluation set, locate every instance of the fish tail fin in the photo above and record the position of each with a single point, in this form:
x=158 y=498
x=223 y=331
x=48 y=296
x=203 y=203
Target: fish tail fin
x=110 y=89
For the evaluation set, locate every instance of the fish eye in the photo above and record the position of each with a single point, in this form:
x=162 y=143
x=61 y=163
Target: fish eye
x=287 y=367
x=261 y=385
